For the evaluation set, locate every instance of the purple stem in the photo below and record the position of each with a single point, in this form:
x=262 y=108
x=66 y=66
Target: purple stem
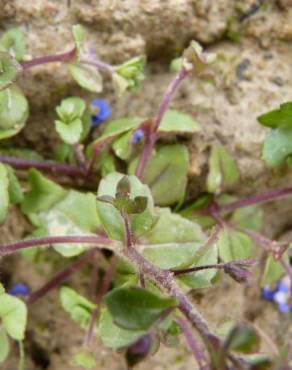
x=100 y=65
x=151 y=138
x=193 y=345
x=254 y=199
x=47 y=240
x=219 y=266
x=64 y=57
x=23 y=164
x=80 y=157
x=105 y=284
x=62 y=276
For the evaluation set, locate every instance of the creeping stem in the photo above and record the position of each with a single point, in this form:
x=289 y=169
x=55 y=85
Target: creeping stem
x=152 y=136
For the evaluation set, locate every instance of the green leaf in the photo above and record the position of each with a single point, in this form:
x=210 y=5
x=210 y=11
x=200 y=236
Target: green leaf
x=84 y=359
x=70 y=109
x=79 y=36
x=9 y=69
x=87 y=77
x=234 y=245
x=278 y=117
x=204 y=278
x=111 y=218
x=4 y=193
x=78 y=307
x=113 y=129
x=172 y=242
x=43 y=195
x=2 y=290
x=223 y=172
x=4 y=345
x=13 y=112
x=13 y=42
x=69 y=133
x=114 y=336
x=174 y=121
x=159 y=173
x=242 y=339
x=14 y=188
x=273 y=271
x=122 y=145
x=76 y=214
x=13 y=314
x=278 y=145
x=176 y=65
x=127 y=76
x=136 y=308
x=248 y=217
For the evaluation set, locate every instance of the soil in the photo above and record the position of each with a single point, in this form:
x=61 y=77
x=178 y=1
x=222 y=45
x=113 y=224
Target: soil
x=252 y=77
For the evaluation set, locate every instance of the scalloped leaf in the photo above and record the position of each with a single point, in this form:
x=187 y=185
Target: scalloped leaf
x=87 y=77
x=9 y=69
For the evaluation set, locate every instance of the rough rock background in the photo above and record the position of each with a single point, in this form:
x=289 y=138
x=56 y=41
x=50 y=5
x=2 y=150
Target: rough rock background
x=252 y=76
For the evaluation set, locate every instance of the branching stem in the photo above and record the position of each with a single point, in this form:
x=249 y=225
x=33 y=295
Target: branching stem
x=68 y=56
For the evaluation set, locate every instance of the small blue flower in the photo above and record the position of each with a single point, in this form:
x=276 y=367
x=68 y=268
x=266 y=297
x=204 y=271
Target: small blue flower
x=268 y=293
x=283 y=286
x=137 y=136
x=285 y=307
x=101 y=111
x=19 y=289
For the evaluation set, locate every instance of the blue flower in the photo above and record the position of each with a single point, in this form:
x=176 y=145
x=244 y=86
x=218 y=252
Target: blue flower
x=19 y=289
x=137 y=136
x=268 y=293
x=101 y=111
x=285 y=307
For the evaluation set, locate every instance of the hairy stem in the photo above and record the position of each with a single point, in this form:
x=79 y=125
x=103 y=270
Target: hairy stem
x=62 y=276
x=218 y=266
x=105 y=284
x=152 y=136
x=80 y=157
x=254 y=199
x=48 y=240
x=193 y=345
x=24 y=164
x=68 y=56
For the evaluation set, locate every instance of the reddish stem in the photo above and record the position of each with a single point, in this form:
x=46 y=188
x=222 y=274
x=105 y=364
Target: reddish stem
x=48 y=240
x=193 y=345
x=24 y=164
x=68 y=56
x=62 y=276
x=152 y=136
x=254 y=199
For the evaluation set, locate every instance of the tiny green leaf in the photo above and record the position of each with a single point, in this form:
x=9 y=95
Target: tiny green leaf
x=14 y=189
x=122 y=145
x=79 y=36
x=78 y=307
x=114 y=336
x=14 y=43
x=43 y=195
x=136 y=308
x=69 y=133
x=278 y=145
x=9 y=69
x=174 y=121
x=278 y=117
x=111 y=218
x=87 y=77
x=13 y=314
x=234 y=245
x=166 y=188
x=4 y=192
x=223 y=172
x=70 y=109
x=248 y=217
x=13 y=112
x=4 y=345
